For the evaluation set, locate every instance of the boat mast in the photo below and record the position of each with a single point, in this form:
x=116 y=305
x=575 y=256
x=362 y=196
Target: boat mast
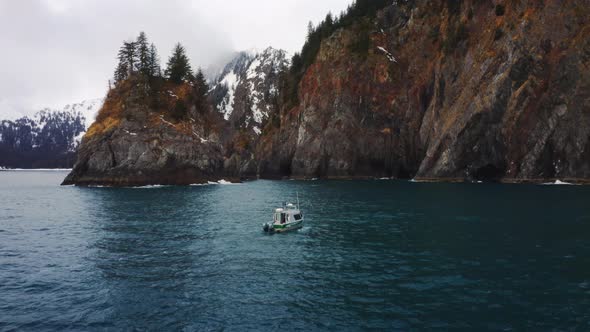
x=298 y=201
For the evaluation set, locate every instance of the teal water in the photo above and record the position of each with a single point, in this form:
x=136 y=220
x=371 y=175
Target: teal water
x=386 y=255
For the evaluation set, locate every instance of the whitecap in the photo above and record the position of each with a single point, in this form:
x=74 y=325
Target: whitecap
x=220 y=182
x=225 y=182
x=153 y=186
x=558 y=183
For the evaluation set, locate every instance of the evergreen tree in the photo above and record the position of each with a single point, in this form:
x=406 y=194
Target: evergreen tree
x=201 y=82
x=296 y=63
x=137 y=57
x=329 y=21
x=121 y=72
x=154 y=62
x=201 y=91
x=180 y=111
x=310 y=30
x=130 y=56
x=315 y=35
x=143 y=54
x=178 y=68
x=126 y=65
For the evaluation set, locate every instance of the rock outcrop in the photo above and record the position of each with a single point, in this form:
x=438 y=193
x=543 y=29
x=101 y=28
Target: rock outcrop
x=138 y=139
x=246 y=93
x=449 y=90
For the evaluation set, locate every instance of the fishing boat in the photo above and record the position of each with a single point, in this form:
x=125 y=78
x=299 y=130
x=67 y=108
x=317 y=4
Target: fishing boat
x=287 y=218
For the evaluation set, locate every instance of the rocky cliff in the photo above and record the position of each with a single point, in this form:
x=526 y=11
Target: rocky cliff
x=246 y=93
x=150 y=135
x=452 y=90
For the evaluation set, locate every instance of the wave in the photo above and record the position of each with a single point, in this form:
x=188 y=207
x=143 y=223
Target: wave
x=223 y=182
x=152 y=186
x=558 y=183
x=212 y=183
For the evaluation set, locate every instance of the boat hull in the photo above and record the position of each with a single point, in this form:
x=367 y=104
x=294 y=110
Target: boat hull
x=282 y=228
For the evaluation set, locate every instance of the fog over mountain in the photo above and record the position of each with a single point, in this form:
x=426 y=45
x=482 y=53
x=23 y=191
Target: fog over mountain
x=60 y=51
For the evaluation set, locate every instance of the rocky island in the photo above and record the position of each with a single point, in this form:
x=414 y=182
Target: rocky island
x=151 y=129
x=437 y=91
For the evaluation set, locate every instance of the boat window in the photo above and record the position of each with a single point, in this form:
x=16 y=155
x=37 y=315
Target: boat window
x=298 y=217
x=283 y=220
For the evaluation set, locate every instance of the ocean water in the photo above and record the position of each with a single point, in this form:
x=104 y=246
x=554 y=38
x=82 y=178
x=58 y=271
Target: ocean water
x=384 y=255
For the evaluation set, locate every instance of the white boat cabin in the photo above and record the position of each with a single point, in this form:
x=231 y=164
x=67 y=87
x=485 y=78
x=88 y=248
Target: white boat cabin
x=289 y=214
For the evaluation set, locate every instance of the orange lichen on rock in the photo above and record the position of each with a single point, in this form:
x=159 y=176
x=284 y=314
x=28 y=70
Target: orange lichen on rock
x=103 y=126
x=478 y=90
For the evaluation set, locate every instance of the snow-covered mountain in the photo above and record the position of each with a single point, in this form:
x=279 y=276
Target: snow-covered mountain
x=87 y=108
x=245 y=91
x=47 y=139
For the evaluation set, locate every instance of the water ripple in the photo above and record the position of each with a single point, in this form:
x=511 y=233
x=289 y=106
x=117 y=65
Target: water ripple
x=382 y=255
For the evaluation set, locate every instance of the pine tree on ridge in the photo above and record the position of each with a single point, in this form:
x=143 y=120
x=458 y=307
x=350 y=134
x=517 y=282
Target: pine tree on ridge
x=178 y=69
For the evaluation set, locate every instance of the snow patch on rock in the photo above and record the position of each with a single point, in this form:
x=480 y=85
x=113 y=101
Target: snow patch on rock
x=250 y=72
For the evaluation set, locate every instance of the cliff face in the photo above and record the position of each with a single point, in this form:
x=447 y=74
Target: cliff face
x=448 y=90
x=139 y=139
x=245 y=93
x=478 y=90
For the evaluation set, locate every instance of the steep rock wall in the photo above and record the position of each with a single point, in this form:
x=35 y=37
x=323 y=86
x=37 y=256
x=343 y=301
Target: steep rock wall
x=478 y=90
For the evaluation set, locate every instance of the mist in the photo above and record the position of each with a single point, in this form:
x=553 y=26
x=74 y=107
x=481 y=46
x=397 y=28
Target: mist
x=57 y=52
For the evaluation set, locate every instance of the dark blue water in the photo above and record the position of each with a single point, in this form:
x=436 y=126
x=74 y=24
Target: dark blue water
x=373 y=255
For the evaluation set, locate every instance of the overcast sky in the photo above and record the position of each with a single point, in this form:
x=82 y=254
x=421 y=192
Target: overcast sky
x=55 y=52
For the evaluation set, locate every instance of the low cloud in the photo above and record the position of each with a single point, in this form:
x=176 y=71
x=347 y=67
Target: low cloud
x=56 y=52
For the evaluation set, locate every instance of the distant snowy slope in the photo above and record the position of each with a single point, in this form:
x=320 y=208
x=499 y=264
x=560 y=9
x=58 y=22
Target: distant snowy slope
x=245 y=91
x=88 y=108
x=48 y=138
